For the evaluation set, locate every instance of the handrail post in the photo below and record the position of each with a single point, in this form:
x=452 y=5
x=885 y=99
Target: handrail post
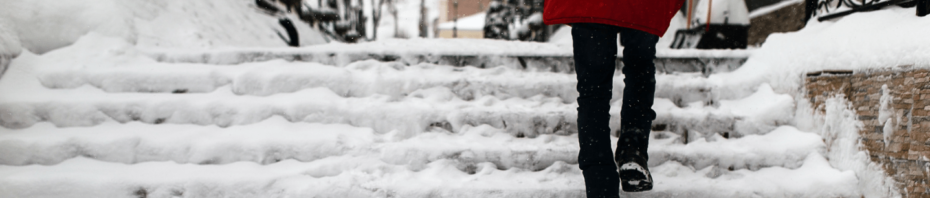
x=923 y=7
x=810 y=6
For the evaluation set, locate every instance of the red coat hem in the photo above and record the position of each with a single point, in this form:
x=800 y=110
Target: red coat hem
x=568 y=20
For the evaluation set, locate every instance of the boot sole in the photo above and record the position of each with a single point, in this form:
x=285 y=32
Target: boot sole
x=634 y=181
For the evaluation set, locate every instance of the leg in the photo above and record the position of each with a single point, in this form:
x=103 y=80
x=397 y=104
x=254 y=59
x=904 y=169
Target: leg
x=595 y=62
x=636 y=114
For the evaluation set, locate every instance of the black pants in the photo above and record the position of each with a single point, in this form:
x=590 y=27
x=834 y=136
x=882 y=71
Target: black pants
x=595 y=48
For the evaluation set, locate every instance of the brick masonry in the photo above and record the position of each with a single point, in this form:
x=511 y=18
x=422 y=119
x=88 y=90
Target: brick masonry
x=905 y=155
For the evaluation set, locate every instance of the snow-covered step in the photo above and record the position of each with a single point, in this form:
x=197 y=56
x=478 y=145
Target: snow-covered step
x=786 y=147
x=265 y=142
x=465 y=52
x=358 y=79
x=365 y=177
x=757 y=113
x=276 y=139
x=420 y=111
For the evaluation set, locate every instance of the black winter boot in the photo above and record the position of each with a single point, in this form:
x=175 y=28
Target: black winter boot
x=632 y=161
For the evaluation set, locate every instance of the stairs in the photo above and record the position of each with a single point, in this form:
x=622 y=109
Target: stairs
x=129 y=125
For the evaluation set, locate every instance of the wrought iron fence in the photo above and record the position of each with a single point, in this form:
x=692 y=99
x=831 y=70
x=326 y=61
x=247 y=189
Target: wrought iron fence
x=830 y=9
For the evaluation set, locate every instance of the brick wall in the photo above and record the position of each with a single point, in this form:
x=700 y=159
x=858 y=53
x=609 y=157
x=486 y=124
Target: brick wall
x=466 y=8
x=905 y=155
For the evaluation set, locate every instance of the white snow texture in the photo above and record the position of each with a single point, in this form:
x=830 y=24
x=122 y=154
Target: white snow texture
x=86 y=111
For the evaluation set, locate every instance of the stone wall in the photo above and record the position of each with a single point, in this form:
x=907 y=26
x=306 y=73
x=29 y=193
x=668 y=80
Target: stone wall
x=787 y=19
x=902 y=145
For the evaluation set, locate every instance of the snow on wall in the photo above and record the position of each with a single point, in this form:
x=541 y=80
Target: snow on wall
x=839 y=127
x=45 y=25
x=877 y=39
x=885 y=112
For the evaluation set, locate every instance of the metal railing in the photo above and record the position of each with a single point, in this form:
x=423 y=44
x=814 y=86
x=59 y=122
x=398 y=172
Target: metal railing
x=830 y=9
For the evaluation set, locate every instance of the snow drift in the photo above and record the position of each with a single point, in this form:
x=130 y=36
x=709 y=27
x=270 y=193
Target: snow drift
x=45 y=25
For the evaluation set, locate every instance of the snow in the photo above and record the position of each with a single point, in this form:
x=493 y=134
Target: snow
x=134 y=142
x=45 y=25
x=9 y=41
x=9 y=46
x=733 y=12
x=785 y=146
x=244 y=128
x=536 y=102
x=106 y=117
x=885 y=112
x=849 y=43
x=761 y=109
x=473 y=22
x=840 y=129
x=829 y=45
x=354 y=176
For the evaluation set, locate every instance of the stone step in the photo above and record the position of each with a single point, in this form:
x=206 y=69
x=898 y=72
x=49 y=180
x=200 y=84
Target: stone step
x=423 y=110
x=358 y=79
x=365 y=177
x=276 y=139
x=478 y=53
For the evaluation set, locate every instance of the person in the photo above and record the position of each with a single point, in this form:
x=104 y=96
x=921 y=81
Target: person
x=595 y=25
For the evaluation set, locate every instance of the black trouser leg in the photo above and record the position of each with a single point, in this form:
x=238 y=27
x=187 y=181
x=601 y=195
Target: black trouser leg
x=636 y=114
x=595 y=61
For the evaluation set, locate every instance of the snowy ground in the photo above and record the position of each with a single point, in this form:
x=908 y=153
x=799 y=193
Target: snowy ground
x=102 y=118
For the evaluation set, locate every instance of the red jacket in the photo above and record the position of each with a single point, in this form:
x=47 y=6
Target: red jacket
x=652 y=16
